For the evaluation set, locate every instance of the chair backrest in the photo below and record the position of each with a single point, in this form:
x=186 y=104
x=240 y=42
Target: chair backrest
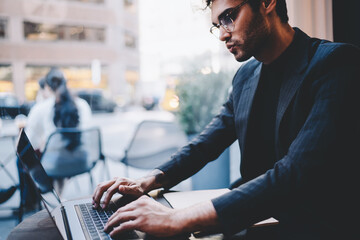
x=71 y=151
x=153 y=143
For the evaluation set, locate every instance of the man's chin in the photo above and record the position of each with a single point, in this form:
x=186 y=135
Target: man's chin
x=241 y=58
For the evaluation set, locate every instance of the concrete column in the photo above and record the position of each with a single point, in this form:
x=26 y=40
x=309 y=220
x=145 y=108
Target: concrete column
x=16 y=24
x=18 y=70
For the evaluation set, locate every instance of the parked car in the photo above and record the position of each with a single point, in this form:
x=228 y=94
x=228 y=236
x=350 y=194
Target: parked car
x=10 y=106
x=97 y=101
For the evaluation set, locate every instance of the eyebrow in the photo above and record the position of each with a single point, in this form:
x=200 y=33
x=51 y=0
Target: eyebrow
x=223 y=13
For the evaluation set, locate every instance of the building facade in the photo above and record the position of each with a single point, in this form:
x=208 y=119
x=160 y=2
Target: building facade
x=75 y=35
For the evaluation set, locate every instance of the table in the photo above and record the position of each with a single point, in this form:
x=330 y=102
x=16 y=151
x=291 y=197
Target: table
x=41 y=227
x=38 y=226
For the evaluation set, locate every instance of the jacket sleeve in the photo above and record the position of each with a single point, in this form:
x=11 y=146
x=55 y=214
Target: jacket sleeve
x=206 y=147
x=309 y=177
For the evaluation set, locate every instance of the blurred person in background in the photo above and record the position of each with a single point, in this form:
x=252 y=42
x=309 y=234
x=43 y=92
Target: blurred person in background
x=43 y=93
x=57 y=108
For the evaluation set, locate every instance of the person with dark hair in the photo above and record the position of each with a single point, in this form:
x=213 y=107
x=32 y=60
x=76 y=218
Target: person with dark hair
x=59 y=110
x=294 y=109
x=42 y=94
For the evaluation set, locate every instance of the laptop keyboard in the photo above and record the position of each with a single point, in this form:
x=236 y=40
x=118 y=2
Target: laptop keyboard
x=93 y=221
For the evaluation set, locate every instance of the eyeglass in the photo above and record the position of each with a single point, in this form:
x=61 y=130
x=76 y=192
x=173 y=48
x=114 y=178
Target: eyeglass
x=226 y=20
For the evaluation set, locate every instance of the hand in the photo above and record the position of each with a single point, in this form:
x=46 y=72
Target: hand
x=145 y=215
x=120 y=185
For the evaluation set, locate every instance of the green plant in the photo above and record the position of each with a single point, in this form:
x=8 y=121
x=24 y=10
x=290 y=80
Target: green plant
x=201 y=96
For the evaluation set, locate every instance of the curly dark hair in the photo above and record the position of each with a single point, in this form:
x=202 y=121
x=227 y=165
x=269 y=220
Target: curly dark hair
x=281 y=9
x=66 y=114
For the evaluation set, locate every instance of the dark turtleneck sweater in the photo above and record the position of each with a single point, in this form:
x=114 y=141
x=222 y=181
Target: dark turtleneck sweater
x=261 y=131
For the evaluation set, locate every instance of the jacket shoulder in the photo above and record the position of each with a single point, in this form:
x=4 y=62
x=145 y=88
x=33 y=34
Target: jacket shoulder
x=326 y=52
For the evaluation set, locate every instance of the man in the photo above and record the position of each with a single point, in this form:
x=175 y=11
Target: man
x=295 y=111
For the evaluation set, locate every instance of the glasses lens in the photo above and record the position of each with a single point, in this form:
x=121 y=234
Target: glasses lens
x=227 y=23
x=215 y=31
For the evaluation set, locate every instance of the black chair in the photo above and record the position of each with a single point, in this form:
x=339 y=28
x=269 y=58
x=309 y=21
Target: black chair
x=70 y=152
x=8 y=155
x=152 y=144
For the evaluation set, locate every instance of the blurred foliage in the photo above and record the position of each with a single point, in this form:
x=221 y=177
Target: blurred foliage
x=201 y=94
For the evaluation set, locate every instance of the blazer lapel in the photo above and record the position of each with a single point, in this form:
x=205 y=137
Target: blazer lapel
x=247 y=98
x=293 y=77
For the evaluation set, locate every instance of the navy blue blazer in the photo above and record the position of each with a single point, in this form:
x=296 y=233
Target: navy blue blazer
x=313 y=187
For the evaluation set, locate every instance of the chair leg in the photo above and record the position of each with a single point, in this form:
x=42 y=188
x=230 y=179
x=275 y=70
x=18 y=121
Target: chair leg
x=107 y=172
x=20 y=212
x=126 y=171
x=91 y=183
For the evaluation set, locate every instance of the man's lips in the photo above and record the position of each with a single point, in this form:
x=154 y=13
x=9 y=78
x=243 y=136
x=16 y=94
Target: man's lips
x=230 y=47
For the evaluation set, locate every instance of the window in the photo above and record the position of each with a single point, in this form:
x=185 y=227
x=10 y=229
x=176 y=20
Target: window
x=129 y=5
x=3 y=28
x=129 y=40
x=78 y=77
x=51 y=32
x=88 y=1
x=132 y=76
x=6 y=84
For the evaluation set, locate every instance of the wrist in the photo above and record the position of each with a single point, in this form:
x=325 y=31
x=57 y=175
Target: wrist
x=198 y=217
x=151 y=181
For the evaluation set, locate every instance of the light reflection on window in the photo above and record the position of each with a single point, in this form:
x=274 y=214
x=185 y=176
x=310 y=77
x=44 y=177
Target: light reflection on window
x=129 y=40
x=51 y=32
x=78 y=77
x=129 y=5
x=6 y=84
x=88 y=1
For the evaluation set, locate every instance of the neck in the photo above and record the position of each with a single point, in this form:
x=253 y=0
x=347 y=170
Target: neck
x=279 y=40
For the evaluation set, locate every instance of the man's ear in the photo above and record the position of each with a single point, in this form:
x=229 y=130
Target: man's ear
x=269 y=5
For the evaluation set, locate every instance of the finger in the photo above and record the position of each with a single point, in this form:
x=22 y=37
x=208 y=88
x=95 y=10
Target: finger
x=127 y=208
x=119 y=219
x=126 y=226
x=130 y=190
x=100 y=189
x=108 y=195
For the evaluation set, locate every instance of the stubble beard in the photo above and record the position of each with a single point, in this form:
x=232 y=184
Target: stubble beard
x=254 y=39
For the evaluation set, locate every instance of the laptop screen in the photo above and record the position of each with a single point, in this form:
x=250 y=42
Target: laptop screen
x=32 y=165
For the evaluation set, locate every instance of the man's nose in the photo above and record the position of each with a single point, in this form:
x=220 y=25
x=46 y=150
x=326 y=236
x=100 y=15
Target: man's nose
x=224 y=35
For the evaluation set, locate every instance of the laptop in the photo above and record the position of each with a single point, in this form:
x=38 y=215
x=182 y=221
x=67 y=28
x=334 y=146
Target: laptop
x=74 y=219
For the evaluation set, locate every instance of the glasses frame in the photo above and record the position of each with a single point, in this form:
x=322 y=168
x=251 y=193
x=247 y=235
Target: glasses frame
x=226 y=20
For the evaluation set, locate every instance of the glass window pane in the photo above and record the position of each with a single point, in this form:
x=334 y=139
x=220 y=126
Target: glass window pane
x=130 y=40
x=50 y=32
x=3 y=28
x=130 y=5
x=87 y=1
x=78 y=77
x=6 y=84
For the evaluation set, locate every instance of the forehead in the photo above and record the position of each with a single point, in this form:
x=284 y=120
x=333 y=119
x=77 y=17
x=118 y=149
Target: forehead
x=219 y=6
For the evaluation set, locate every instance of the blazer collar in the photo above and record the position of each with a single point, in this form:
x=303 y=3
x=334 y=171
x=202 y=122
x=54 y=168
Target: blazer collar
x=291 y=82
x=293 y=74
x=247 y=98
